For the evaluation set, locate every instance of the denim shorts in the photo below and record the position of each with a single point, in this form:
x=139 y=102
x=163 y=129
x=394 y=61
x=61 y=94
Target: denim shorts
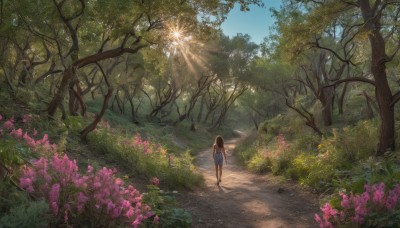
x=218 y=159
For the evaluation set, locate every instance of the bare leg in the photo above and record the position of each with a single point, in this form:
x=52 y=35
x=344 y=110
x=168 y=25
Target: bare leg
x=216 y=173
x=220 y=172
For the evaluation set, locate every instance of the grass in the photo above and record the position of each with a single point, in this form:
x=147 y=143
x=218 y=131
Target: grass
x=320 y=163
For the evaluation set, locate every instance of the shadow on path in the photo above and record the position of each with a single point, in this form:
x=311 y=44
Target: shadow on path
x=244 y=199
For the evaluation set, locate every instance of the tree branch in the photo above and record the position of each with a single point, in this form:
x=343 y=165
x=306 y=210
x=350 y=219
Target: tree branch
x=352 y=79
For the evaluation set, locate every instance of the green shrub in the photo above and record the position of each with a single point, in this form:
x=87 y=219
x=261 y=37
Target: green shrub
x=314 y=171
x=17 y=210
x=259 y=163
x=147 y=159
x=32 y=214
x=165 y=206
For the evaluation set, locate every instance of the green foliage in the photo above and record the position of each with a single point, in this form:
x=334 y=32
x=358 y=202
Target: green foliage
x=259 y=163
x=165 y=206
x=351 y=144
x=173 y=170
x=387 y=220
x=9 y=152
x=313 y=161
x=371 y=171
x=33 y=214
x=314 y=171
x=17 y=209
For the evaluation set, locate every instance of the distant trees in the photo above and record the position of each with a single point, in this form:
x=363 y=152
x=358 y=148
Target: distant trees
x=349 y=25
x=123 y=51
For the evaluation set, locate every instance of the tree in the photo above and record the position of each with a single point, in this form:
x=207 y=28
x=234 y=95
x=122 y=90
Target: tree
x=359 y=21
x=81 y=33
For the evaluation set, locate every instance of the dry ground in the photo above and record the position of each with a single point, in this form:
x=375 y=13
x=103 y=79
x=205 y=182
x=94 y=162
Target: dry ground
x=244 y=199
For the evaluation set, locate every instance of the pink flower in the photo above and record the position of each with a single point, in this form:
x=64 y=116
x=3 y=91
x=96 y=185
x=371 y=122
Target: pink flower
x=155 y=181
x=25 y=182
x=54 y=208
x=82 y=198
x=116 y=212
x=16 y=133
x=54 y=193
x=156 y=219
x=30 y=141
x=345 y=201
x=26 y=118
x=393 y=197
x=9 y=124
x=1 y=117
x=118 y=181
x=328 y=211
x=130 y=213
x=378 y=193
x=34 y=132
x=89 y=168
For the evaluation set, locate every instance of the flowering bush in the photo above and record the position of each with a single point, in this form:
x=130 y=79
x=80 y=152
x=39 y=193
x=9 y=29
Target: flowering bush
x=374 y=207
x=94 y=198
x=43 y=145
x=147 y=158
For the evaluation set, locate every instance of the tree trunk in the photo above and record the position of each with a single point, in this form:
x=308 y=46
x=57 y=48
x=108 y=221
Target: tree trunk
x=341 y=98
x=326 y=100
x=84 y=133
x=70 y=71
x=59 y=96
x=133 y=111
x=200 y=115
x=253 y=118
x=378 y=68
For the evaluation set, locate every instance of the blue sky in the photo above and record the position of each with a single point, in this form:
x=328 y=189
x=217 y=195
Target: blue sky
x=255 y=22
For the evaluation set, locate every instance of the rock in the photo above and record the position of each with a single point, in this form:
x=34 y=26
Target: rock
x=291 y=194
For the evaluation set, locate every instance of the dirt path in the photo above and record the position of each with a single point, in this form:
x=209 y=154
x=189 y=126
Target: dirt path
x=246 y=200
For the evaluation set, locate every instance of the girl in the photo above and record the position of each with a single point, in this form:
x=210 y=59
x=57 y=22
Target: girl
x=218 y=150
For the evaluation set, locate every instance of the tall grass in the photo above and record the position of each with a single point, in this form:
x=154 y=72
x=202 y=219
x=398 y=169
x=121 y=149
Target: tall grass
x=287 y=148
x=147 y=159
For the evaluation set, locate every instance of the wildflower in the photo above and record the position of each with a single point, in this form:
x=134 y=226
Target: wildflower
x=16 y=133
x=393 y=197
x=130 y=213
x=54 y=193
x=345 y=201
x=378 y=193
x=25 y=182
x=30 y=141
x=155 y=181
x=26 y=118
x=116 y=212
x=118 y=181
x=1 y=117
x=9 y=124
x=89 y=168
x=156 y=219
x=54 y=208
x=328 y=211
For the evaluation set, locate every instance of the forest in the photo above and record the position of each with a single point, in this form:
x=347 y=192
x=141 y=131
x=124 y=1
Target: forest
x=109 y=110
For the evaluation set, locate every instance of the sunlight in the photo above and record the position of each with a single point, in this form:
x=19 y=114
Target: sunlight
x=185 y=48
x=176 y=34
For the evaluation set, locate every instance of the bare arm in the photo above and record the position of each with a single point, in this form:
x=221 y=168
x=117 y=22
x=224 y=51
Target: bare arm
x=213 y=150
x=223 y=151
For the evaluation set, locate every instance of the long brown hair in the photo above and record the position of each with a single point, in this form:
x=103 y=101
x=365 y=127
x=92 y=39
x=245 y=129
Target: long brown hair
x=219 y=141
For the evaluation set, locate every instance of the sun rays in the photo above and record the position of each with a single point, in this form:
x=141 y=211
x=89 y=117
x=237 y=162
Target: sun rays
x=189 y=52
